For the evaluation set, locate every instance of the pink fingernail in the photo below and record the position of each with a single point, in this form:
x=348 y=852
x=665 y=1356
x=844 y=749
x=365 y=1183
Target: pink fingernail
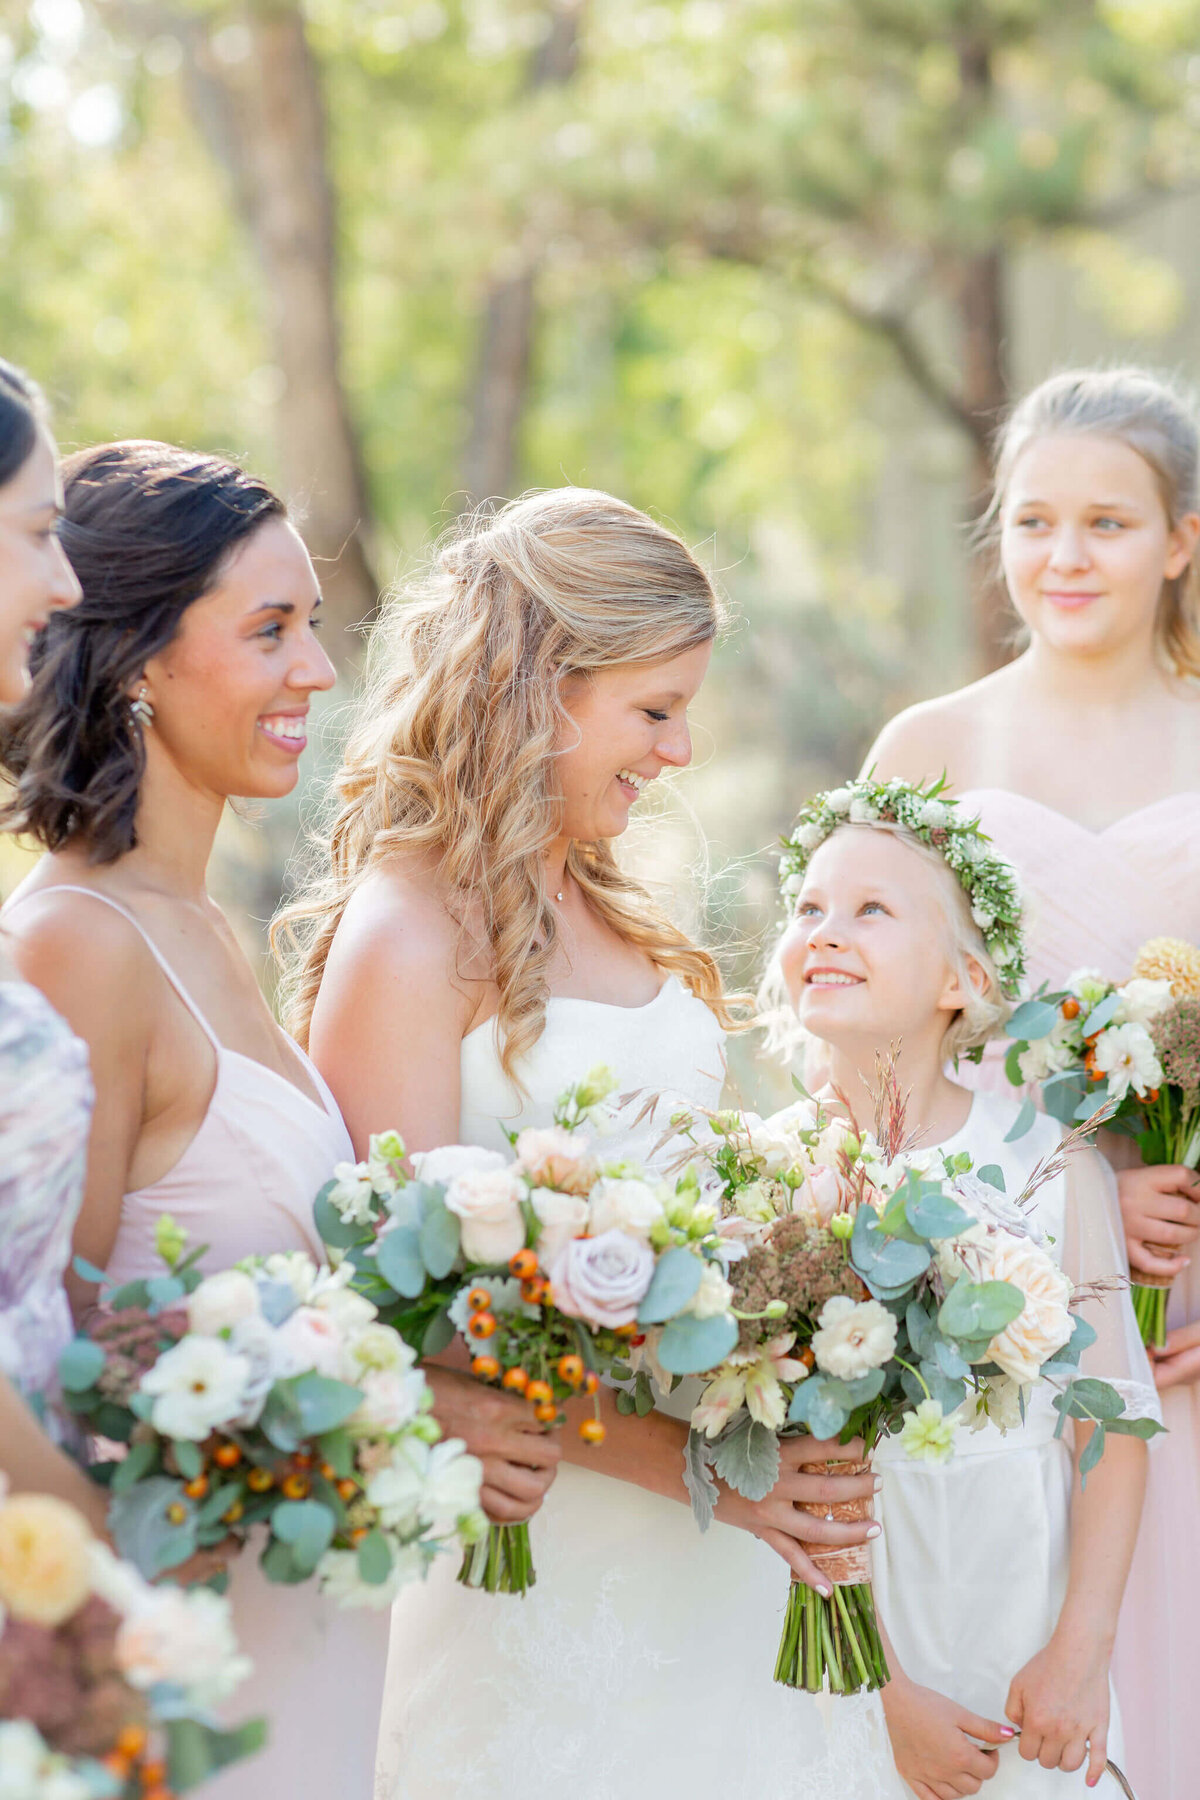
x=1007 y=1731
x=825 y=1593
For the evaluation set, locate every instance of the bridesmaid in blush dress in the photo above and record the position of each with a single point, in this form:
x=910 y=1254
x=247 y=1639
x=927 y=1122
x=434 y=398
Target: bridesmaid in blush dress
x=1082 y=758
x=182 y=678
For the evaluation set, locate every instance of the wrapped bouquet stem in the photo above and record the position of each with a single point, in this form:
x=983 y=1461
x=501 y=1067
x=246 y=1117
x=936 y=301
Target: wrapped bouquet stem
x=834 y=1642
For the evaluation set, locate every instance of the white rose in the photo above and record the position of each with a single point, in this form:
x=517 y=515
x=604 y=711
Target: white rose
x=713 y=1296
x=390 y=1400
x=221 y=1300
x=624 y=1204
x=488 y=1203
x=380 y=1347
x=562 y=1217
x=197 y=1385
x=554 y=1157
x=353 y=1193
x=452 y=1160
x=309 y=1339
x=340 y=1581
x=1044 y=1323
x=184 y=1638
x=855 y=1336
x=1126 y=1054
x=1142 y=1001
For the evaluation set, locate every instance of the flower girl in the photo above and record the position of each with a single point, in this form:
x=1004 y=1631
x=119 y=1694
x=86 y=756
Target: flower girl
x=998 y=1576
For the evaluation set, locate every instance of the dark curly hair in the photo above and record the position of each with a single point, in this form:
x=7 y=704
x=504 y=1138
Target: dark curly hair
x=22 y=410
x=148 y=529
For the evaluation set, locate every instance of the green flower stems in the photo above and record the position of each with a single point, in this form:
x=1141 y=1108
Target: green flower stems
x=501 y=1562
x=1176 y=1134
x=832 y=1643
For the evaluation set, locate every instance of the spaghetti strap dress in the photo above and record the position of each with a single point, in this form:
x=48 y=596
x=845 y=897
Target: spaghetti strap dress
x=245 y=1186
x=1093 y=898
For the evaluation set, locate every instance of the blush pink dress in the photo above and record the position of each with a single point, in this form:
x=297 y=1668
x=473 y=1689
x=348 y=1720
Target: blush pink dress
x=245 y=1186
x=1093 y=899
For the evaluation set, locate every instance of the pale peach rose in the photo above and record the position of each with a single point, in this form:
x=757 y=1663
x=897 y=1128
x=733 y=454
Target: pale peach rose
x=1044 y=1324
x=488 y=1204
x=45 y=1562
x=553 y=1157
x=561 y=1216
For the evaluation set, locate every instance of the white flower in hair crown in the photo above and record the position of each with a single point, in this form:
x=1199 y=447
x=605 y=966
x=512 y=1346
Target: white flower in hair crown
x=989 y=882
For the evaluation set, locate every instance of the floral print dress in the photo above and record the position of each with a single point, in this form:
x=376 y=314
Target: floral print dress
x=45 y=1110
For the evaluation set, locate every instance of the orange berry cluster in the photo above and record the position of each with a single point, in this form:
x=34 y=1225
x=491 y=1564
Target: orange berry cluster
x=294 y=1479
x=127 y=1760
x=539 y=1392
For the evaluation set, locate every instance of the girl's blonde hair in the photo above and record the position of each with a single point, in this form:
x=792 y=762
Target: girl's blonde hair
x=1152 y=416
x=985 y=1011
x=454 y=744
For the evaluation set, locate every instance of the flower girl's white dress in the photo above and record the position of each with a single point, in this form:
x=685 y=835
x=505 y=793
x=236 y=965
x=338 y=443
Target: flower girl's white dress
x=971 y=1569
x=640 y=1666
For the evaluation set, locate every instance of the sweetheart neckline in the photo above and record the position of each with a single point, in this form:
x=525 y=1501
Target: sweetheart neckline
x=1088 y=830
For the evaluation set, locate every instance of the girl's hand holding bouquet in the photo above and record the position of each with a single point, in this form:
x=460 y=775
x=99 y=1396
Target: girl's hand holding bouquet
x=546 y=1266
x=269 y=1394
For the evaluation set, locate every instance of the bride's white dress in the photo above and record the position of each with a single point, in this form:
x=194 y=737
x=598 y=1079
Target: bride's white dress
x=640 y=1666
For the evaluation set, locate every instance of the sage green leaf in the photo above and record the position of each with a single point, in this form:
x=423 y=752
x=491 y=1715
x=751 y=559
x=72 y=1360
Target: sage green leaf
x=306 y=1527
x=439 y=1236
x=374 y=1559
x=675 y=1280
x=1034 y=1019
x=80 y=1365
x=398 y=1259
x=332 y=1229
x=979 y=1309
x=746 y=1455
x=691 y=1346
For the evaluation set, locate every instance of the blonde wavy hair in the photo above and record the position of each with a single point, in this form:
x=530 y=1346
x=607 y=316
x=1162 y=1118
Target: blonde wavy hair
x=455 y=739
x=1157 y=418
x=969 y=1029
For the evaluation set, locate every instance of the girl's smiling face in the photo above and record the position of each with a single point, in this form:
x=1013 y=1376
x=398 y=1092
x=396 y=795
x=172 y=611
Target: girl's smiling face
x=1086 y=543
x=867 y=958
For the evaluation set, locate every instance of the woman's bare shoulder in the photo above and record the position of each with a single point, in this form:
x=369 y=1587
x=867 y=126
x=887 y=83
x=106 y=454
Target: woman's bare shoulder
x=89 y=960
x=938 y=737
x=398 y=927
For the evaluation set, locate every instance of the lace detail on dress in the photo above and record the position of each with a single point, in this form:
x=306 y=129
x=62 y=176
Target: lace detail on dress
x=1141 y=1400
x=45 y=1111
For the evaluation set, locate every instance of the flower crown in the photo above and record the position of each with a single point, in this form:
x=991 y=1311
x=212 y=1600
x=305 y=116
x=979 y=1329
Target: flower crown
x=990 y=883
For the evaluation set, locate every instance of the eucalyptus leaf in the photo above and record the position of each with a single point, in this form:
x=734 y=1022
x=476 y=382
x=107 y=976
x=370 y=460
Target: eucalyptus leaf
x=188 y=1459
x=1101 y=1015
x=280 y=1563
x=920 y=1327
x=691 y=1346
x=1012 y=1063
x=885 y=1263
x=398 y=1259
x=142 y=1531
x=949 y=1360
x=1033 y=1019
x=1138 y=1428
x=80 y=1365
x=323 y=1403
x=747 y=1457
x=277 y=1301
x=1063 y=1093
x=1022 y=1123
x=854 y=1393
x=374 y=1559
x=306 y=1527
x=130 y=1293
x=164 y=1291
x=332 y=1229
x=439 y=1236
x=196 y=1751
x=993 y=1174
x=979 y=1309
x=1092 y=1451
x=142 y=1458
x=676 y=1278
x=698 y=1478
x=1087 y=1398
x=813 y=1407
x=643 y=1394
x=87 y=1271
x=943 y=1388
x=934 y=1214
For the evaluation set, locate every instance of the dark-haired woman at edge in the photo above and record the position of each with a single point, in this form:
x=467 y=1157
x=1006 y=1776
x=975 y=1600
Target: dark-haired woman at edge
x=182 y=678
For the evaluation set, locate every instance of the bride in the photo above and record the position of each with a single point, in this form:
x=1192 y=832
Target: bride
x=473 y=949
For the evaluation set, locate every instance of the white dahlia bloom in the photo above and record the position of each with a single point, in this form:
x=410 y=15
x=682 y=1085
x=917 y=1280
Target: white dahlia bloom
x=854 y=1337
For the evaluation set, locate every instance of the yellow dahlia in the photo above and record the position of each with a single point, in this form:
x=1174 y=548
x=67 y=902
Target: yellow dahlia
x=1173 y=960
x=45 y=1568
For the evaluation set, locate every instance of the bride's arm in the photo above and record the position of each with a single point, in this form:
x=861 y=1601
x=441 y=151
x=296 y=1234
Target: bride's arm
x=389 y=1020
x=649 y=1453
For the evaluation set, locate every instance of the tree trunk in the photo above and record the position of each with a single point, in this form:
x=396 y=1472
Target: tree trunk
x=982 y=315
x=263 y=118
x=501 y=382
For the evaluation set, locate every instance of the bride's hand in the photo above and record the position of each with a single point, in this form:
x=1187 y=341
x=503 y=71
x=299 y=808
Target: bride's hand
x=778 y=1521
x=519 y=1458
x=1160 y=1207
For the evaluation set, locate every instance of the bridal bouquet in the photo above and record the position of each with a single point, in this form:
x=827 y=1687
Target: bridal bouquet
x=1132 y=1052
x=268 y=1394
x=545 y=1264
x=876 y=1292
x=106 y=1683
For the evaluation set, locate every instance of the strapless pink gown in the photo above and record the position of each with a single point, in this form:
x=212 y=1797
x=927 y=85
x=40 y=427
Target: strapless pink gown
x=1093 y=900
x=245 y=1186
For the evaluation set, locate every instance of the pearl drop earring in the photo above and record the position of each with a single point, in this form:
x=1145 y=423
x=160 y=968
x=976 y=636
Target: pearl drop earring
x=141 y=709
